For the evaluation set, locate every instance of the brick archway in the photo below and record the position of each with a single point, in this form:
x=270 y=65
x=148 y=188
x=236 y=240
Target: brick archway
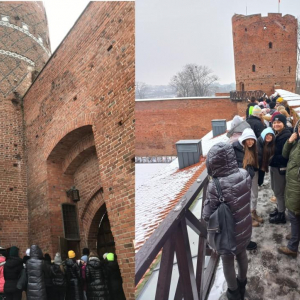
x=100 y=237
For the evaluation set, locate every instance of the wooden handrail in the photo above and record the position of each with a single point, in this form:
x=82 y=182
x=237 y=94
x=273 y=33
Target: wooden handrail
x=172 y=237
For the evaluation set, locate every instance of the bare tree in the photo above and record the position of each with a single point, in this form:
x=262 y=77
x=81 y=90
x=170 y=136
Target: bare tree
x=140 y=90
x=194 y=81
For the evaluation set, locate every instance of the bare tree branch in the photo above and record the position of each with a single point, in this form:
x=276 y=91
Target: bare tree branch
x=140 y=90
x=194 y=81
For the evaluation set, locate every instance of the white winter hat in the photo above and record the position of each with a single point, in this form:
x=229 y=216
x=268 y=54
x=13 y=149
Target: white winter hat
x=28 y=252
x=248 y=133
x=104 y=255
x=236 y=121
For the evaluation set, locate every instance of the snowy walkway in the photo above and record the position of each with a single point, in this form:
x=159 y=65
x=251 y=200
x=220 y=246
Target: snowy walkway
x=271 y=276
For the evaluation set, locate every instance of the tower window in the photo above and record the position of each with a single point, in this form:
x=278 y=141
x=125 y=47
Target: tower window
x=245 y=29
x=270 y=45
x=289 y=69
x=253 y=68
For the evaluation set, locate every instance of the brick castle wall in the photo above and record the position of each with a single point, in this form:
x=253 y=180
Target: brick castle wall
x=79 y=120
x=160 y=124
x=268 y=44
x=25 y=48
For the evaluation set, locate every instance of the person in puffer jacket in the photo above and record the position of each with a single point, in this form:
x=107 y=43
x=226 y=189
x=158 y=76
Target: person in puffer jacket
x=96 y=279
x=12 y=271
x=235 y=183
x=291 y=151
x=114 y=278
x=58 y=277
x=74 y=284
x=247 y=157
x=2 y=280
x=36 y=271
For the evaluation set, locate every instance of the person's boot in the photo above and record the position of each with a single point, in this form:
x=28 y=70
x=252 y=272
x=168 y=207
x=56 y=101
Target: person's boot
x=242 y=287
x=287 y=251
x=255 y=223
x=251 y=246
x=278 y=219
x=256 y=217
x=274 y=213
x=233 y=295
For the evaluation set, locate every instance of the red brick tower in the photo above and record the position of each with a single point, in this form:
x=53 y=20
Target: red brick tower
x=265 y=52
x=24 y=50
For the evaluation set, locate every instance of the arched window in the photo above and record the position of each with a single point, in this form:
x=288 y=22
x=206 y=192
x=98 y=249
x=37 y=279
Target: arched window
x=270 y=45
x=253 y=68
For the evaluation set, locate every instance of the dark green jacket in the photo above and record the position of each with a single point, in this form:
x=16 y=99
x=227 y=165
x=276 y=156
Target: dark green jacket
x=292 y=188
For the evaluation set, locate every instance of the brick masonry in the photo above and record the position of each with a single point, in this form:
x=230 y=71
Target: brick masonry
x=160 y=124
x=24 y=50
x=268 y=43
x=79 y=125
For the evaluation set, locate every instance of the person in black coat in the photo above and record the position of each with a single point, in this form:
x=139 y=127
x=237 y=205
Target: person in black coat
x=12 y=271
x=58 y=278
x=48 y=279
x=97 y=288
x=255 y=121
x=36 y=271
x=278 y=166
x=114 y=279
x=74 y=285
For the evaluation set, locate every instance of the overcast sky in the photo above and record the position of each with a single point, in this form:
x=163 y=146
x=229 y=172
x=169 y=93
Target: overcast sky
x=62 y=14
x=172 y=33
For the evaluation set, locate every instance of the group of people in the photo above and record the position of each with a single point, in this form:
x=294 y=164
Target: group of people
x=257 y=145
x=89 y=278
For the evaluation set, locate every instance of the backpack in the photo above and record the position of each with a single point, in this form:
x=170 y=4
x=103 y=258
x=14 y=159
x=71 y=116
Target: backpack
x=221 y=226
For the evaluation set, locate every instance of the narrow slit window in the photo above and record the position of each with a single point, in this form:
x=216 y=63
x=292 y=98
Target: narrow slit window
x=289 y=69
x=253 y=68
x=270 y=45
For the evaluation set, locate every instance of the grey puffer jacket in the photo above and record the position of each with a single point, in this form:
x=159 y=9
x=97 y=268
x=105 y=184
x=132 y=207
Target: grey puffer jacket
x=36 y=271
x=236 y=185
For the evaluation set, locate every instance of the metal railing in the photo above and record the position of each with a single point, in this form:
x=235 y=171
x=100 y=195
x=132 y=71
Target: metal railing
x=172 y=238
x=245 y=95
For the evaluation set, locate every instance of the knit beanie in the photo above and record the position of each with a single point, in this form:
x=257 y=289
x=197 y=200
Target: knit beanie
x=86 y=251
x=57 y=259
x=276 y=113
x=28 y=252
x=110 y=257
x=105 y=255
x=14 y=251
x=236 y=121
x=265 y=132
x=248 y=133
x=256 y=111
x=280 y=99
x=71 y=254
x=84 y=258
x=280 y=118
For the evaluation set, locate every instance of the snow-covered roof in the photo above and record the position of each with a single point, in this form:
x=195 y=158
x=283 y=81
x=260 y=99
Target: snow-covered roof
x=293 y=100
x=157 y=196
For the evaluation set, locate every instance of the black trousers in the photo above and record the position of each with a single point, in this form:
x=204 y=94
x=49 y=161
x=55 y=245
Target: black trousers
x=14 y=296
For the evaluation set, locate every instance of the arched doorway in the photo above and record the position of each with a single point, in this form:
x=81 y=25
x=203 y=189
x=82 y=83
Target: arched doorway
x=100 y=231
